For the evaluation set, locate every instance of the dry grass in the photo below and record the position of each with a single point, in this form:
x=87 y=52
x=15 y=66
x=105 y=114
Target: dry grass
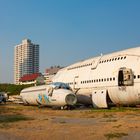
x=110 y=136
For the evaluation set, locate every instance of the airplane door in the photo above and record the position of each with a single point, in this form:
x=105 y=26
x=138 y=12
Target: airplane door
x=125 y=77
x=99 y=98
x=75 y=82
x=95 y=63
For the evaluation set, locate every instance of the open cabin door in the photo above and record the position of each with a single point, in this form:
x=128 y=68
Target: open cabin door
x=99 y=99
x=125 y=77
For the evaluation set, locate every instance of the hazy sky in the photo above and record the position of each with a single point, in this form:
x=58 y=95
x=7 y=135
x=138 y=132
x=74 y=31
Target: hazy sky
x=66 y=30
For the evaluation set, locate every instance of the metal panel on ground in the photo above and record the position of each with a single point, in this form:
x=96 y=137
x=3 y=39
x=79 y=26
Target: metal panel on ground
x=99 y=98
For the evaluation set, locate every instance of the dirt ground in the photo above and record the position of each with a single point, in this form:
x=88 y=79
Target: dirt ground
x=18 y=122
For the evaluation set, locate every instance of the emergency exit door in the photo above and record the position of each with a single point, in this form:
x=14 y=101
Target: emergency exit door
x=125 y=77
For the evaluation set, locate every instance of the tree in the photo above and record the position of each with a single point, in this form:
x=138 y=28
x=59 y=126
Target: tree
x=12 y=89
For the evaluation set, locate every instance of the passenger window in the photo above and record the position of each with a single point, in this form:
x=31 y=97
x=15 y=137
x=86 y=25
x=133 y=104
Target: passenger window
x=134 y=76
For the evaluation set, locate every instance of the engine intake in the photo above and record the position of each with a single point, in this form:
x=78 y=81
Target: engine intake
x=71 y=99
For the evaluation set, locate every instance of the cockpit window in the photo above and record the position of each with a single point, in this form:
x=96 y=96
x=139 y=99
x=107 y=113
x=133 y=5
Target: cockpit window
x=59 y=85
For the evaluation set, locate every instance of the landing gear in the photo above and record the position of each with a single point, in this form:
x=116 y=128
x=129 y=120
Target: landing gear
x=67 y=107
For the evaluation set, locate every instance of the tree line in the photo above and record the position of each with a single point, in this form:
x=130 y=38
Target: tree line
x=12 y=89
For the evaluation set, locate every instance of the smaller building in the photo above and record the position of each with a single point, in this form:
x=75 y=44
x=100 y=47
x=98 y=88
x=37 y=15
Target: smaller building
x=50 y=73
x=35 y=79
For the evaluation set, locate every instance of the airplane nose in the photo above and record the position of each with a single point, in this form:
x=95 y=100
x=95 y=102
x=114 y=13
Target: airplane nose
x=71 y=99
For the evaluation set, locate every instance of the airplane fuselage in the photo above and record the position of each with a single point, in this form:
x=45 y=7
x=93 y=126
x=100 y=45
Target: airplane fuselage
x=115 y=76
x=55 y=94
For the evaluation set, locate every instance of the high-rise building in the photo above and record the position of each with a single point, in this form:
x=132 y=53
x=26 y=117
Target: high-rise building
x=26 y=59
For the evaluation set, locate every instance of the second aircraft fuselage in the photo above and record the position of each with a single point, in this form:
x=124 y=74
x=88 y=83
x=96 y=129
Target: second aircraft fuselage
x=117 y=73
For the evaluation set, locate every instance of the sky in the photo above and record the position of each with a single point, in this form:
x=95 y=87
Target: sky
x=66 y=30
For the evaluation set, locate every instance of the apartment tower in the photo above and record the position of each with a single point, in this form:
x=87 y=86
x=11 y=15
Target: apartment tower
x=26 y=59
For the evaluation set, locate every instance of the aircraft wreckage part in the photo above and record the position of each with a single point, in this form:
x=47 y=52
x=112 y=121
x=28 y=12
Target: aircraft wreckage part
x=99 y=98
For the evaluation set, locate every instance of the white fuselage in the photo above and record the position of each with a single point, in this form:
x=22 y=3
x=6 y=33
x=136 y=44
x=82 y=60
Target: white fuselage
x=48 y=95
x=117 y=74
